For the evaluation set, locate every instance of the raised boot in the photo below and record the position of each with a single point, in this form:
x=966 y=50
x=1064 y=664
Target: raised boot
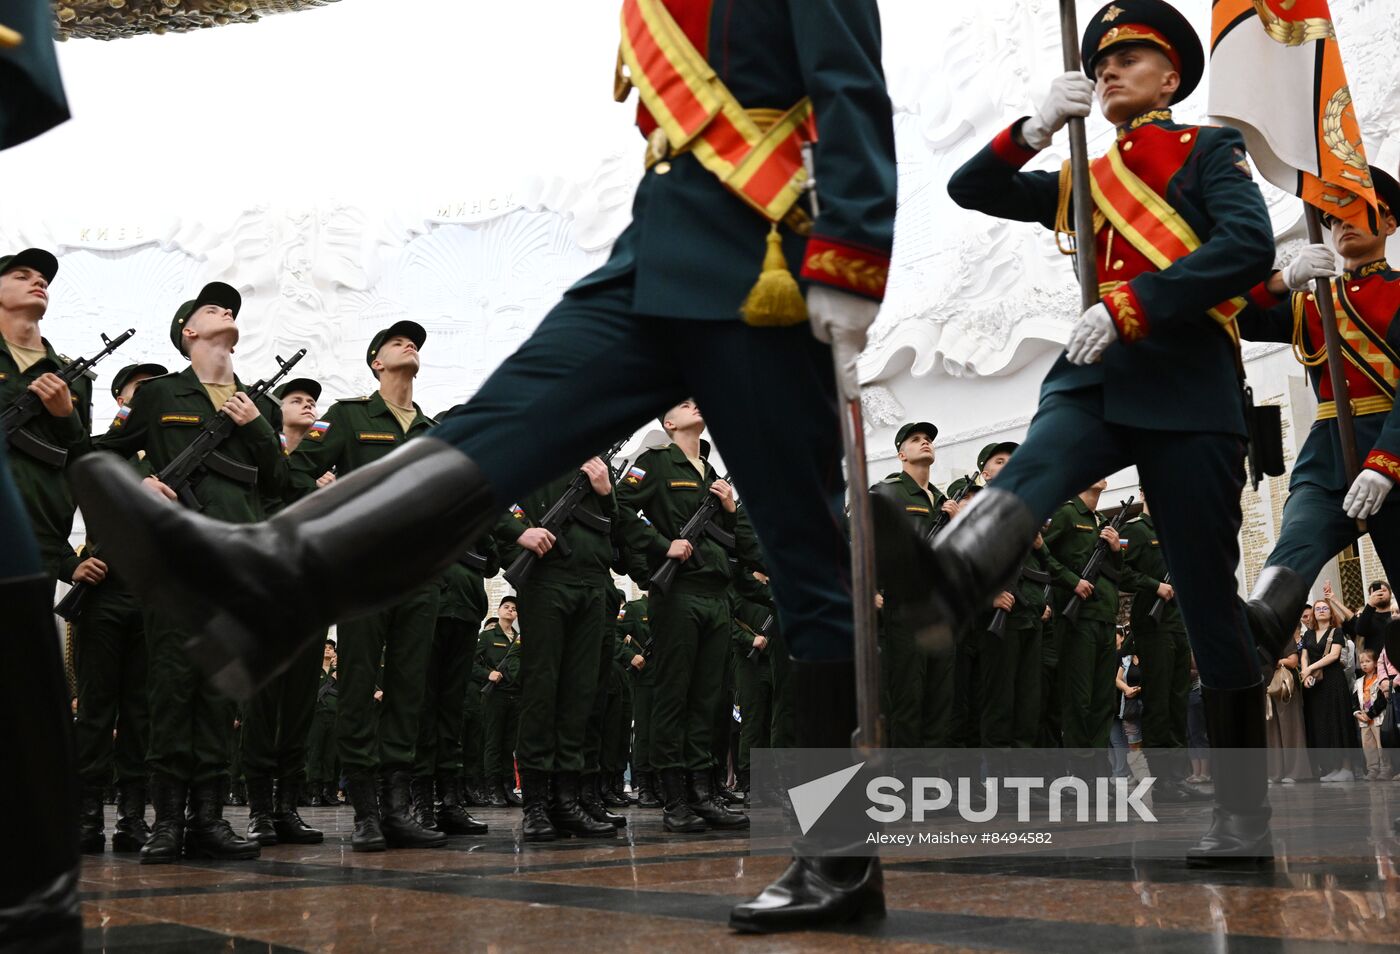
x=567 y=815
x=496 y=792
x=976 y=556
x=821 y=886
x=286 y=821
x=535 y=824
x=401 y=830
x=132 y=831
x=167 y=841
x=1273 y=609
x=319 y=560
x=590 y=799
x=260 y=828
x=712 y=810
x=207 y=833
x=646 y=791
x=368 y=835
x=1239 y=828
x=676 y=813
x=420 y=795
x=91 y=835
x=452 y=815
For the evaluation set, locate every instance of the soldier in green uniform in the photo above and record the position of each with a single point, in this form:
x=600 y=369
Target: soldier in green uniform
x=591 y=794
x=473 y=732
x=1085 y=659
x=355 y=433
x=634 y=628
x=321 y=746
x=191 y=722
x=277 y=720
x=110 y=666
x=497 y=661
x=690 y=622
x=617 y=719
x=755 y=620
x=461 y=606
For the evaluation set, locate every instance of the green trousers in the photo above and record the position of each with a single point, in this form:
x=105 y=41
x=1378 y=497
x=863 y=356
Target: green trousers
x=1165 y=659
x=402 y=636
x=1050 y=736
x=559 y=672
x=643 y=691
x=277 y=720
x=191 y=724
x=617 y=728
x=473 y=732
x=903 y=678
x=1008 y=687
x=753 y=679
x=965 y=709
x=690 y=633
x=321 y=749
x=784 y=711
x=1086 y=673
x=722 y=728
x=110 y=665
x=500 y=722
x=439 y=746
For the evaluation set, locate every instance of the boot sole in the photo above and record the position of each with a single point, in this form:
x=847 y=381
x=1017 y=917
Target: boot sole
x=301 y=839
x=868 y=910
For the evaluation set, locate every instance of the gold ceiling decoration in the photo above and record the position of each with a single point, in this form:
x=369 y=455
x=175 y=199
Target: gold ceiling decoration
x=114 y=19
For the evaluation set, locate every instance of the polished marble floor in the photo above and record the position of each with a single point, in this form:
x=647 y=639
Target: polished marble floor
x=654 y=892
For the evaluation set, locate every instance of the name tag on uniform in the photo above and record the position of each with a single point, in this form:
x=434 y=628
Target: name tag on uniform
x=501 y=645
x=376 y=437
x=181 y=419
x=683 y=484
x=916 y=509
x=1080 y=526
x=1155 y=543
x=4 y=375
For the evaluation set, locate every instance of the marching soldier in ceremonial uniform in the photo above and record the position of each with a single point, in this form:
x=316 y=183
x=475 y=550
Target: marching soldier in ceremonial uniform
x=1319 y=520
x=717 y=231
x=354 y=434
x=497 y=664
x=191 y=722
x=321 y=748
x=1150 y=375
x=634 y=626
x=277 y=720
x=110 y=665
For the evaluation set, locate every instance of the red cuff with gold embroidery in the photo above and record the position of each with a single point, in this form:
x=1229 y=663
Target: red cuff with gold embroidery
x=1127 y=313
x=1384 y=462
x=1010 y=151
x=861 y=271
x=1261 y=296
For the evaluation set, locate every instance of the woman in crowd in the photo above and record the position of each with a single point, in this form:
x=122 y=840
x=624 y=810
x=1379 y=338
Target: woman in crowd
x=1327 y=706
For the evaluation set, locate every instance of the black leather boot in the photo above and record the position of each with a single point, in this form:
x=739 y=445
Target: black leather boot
x=1239 y=828
x=611 y=792
x=723 y=792
x=974 y=558
x=132 y=831
x=317 y=798
x=167 y=841
x=676 y=813
x=709 y=806
x=646 y=791
x=317 y=561
x=396 y=819
x=741 y=784
x=331 y=796
x=1273 y=609
x=619 y=786
x=92 y=838
x=512 y=797
x=291 y=830
x=420 y=795
x=567 y=815
x=207 y=833
x=238 y=795
x=590 y=799
x=821 y=886
x=496 y=792
x=474 y=792
x=535 y=824
x=368 y=835
x=260 y=828
x=452 y=815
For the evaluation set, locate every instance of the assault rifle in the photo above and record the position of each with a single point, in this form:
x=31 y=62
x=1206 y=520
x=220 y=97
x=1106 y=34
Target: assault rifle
x=762 y=631
x=701 y=524
x=556 y=520
x=943 y=518
x=1094 y=567
x=997 y=627
x=487 y=689
x=1155 y=613
x=27 y=406
x=203 y=455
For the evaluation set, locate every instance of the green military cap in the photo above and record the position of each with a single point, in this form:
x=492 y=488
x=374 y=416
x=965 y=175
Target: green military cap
x=214 y=293
x=957 y=486
x=992 y=450
x=128 y=372
x=411 y=330
x=38 y=259
x=905 y=430
x=307 y=385
x=1152 y=23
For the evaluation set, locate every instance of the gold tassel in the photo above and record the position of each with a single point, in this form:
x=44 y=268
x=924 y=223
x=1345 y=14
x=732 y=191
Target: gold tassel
x=775 y=301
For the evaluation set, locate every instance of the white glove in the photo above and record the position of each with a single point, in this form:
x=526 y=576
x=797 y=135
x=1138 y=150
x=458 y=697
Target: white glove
x=1071 y=96
x=1312 y=263
x=1093 y=332
x=841 y=320
x=1367 y=494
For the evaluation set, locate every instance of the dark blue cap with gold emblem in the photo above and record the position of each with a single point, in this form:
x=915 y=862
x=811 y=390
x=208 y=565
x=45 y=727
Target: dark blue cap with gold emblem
x=922 y=427
x=41 y=260
x=214 y=293
x=411 y=330
x=1151 y=23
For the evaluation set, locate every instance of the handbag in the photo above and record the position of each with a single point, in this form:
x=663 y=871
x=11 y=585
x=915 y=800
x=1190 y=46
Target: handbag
x=1283 y=684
